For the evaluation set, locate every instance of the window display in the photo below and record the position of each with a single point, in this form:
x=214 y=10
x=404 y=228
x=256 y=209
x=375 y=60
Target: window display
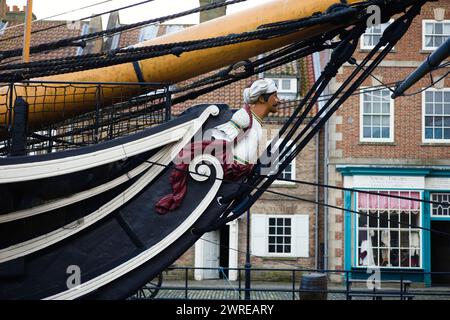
x=388 y=233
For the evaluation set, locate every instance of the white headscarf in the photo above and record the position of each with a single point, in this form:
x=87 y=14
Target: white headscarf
x=257 y=89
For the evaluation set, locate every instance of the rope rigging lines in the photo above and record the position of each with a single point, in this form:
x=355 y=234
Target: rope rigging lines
x=21 y=71
x=81 y=40
x=247 y=196
x=318 y=202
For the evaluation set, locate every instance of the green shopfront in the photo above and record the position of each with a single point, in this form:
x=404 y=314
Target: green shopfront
x=391 y=234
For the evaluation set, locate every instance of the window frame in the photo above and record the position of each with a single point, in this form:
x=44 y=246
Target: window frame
x=356 y=262
x=293 y=248
x=294 y=84
x=293 y=166
x=424 y=139
x=446 y=194
x=361 y=42
x=391 y=138
x=174 y=28
x=143 y=31
x=84 y=31
x=424 y=22
x=3 y=27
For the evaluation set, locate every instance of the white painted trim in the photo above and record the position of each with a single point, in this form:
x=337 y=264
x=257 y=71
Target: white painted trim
x=380 y=182
x=76 y=197
x=233 y=257
x=424 y=21
x=294 y=227
x=437 y=184
x=135 y=262
x=391 y=120
x=293 y=84
x=361 y=42
x=43 y=241
x=164 y=157
x=51 y=168
x=293 y=247
x=424 y=140
x=446 y=194
x=293 y=164
x=198 y=259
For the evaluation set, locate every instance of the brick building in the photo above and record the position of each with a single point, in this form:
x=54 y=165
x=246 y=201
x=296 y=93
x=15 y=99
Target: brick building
x=399 y=147
x=283 y=230
x=274 y=218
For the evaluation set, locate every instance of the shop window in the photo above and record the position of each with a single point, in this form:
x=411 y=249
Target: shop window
x=442 y=209
x=388 y=233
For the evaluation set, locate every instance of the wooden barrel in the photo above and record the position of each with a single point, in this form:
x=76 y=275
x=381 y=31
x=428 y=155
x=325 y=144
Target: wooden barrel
x=313 y=281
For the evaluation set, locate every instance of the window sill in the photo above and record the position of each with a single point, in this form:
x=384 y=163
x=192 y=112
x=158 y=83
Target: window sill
x=281 y=185
x=282 y=258
x=427 y=51
x=393 y=269
x=435 y=144
x=376 y=143
x=360 y=50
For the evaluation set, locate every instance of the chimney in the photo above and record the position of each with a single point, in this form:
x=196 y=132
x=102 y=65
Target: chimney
x=212 y=14
x=3 y=9
x=94 y=46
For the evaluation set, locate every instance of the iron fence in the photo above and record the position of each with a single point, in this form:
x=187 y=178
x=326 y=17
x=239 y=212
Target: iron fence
x=42 y=117
x=340 y=285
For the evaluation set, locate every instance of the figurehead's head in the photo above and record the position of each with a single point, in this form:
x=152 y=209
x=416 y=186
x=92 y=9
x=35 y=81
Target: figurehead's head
x=262 y=93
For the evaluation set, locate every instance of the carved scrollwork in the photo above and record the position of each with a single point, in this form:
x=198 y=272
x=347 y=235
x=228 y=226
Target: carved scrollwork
x=200 y=167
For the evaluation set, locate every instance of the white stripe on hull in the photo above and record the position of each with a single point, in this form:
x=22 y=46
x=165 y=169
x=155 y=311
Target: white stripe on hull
x=137 y=261
x=51 y=168
x=163 y=156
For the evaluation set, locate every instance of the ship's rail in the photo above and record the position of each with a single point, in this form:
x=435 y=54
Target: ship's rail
x=114 y=113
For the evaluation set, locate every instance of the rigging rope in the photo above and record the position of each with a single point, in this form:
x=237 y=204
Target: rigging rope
x=80 y=40
x=91 y=61
x=54 y=16
x=245 y=198
x=318 y=202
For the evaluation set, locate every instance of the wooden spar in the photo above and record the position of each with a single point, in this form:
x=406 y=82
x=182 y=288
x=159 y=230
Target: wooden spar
x=27 y=31
x=169 y=68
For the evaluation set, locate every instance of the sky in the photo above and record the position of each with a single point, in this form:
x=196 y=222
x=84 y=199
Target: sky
x=46 y=8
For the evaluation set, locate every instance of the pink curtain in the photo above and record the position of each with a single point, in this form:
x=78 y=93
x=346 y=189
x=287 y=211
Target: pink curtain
x=405 y=204
x=373 y=201
x=415 y=205
x=383 y=202
x=362 y=200
x=394 y=202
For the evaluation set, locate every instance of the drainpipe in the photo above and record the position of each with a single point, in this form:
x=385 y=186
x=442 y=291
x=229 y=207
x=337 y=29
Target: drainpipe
x=316 y=209
x=317 y=71
x=317 y=66
x=325 y=199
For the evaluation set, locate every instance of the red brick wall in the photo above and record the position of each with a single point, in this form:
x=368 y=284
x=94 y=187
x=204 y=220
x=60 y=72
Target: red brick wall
x=407 y=110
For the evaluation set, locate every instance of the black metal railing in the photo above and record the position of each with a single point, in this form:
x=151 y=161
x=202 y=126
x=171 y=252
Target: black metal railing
x=67 y=115
x=340 y=285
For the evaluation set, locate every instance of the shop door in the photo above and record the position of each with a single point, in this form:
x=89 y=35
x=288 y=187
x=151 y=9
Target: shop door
x=440 y=252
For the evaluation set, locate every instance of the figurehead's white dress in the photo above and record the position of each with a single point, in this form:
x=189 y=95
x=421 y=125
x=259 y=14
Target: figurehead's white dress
x=245 y=150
